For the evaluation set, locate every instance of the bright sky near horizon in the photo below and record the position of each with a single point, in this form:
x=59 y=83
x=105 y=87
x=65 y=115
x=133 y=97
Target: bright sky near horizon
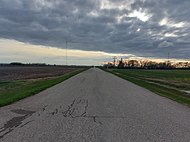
x=12 y=51
x=96 y=30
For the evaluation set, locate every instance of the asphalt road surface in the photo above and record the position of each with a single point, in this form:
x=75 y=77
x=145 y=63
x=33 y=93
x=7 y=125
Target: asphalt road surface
x=95 y=106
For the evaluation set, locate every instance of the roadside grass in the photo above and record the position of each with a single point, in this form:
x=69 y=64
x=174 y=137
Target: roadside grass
x=179 y=79
x=13 y=91
x=149 y=79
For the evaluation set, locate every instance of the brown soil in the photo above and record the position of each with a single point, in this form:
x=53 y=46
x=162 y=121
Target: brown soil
x=8 y=73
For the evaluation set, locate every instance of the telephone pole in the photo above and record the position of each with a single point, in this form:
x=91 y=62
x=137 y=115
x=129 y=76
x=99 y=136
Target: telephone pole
x=114 y=60
x=66 y=53
x=168 y=57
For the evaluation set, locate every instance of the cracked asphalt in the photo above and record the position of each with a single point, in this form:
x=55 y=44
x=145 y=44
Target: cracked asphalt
x=95 y=106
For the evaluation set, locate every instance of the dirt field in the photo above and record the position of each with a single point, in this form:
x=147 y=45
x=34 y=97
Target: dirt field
x=9 y=73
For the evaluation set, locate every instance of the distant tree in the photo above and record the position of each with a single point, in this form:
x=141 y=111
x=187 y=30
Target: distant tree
x=142 y=63
x=121 y=64
x=109 y=65
x=133 y=63
x=16 y=63
x=152 y=65
x=148 y=64
x=186 y=64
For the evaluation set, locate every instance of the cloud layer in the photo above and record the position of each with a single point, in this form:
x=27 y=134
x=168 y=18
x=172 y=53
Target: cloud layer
x=148 y=28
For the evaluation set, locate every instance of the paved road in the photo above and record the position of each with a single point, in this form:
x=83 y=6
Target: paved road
x=95 y=106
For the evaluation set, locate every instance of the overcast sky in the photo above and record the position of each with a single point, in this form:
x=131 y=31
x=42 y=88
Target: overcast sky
x=142 y=28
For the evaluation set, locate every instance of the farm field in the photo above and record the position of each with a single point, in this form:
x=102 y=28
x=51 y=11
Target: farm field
x=10 y=73
x=173 y=84
x=17 y=82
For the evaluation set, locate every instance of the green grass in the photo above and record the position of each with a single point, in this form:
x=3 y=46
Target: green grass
x=13 y=91
x=179 y=79
x=167 y=83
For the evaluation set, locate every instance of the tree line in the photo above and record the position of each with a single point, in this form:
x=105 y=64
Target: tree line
x=147 y=64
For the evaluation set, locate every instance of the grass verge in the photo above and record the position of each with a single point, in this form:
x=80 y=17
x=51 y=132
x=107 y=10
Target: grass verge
x=13 y=91
x=164 y=91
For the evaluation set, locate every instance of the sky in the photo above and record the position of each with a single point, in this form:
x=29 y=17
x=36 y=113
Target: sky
x=95 y=30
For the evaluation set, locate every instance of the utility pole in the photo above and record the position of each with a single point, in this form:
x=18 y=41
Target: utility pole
x=66 y=53
x=114 y=60
x=66 y=43
x=168 y=59
x=168 y=56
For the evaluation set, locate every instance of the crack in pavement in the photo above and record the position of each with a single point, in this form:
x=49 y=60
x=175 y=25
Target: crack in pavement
x=44 y=108
x=81 y=104
x=70 y=112
x=26 y=123
x=15 y=121
x=78 y=109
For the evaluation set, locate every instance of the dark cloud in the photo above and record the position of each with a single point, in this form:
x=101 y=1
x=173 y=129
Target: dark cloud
x=141 y=27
